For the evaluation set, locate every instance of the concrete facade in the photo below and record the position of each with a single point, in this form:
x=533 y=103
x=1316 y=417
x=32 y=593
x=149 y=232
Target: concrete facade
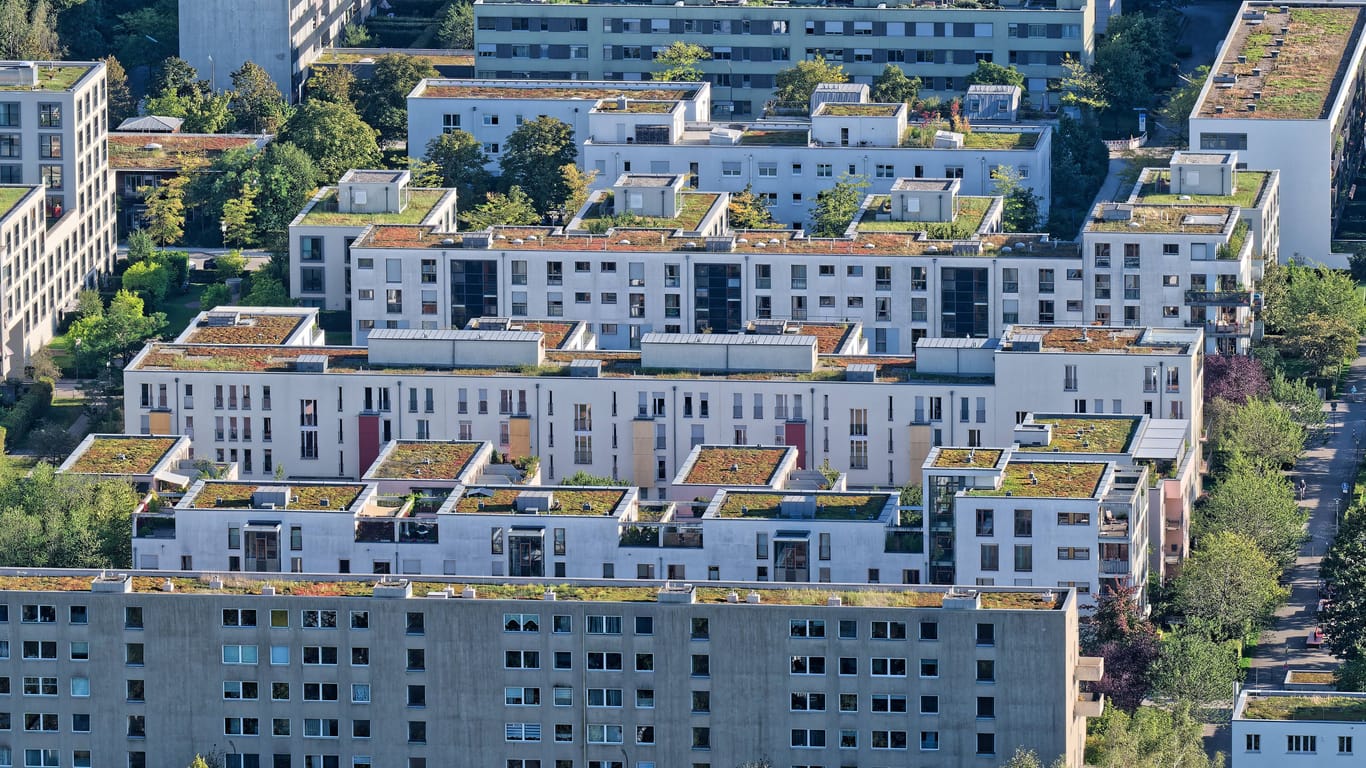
x=748 y=44
x=1325 y=733
x=332 y=672
x=53 y=136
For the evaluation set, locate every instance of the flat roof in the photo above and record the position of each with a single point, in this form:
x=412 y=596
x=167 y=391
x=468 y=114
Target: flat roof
x=967 y=458
x=586 y=502
x=173 y=151
x=1283 y=705
x=849 y=507
x=582 y=590
x=1297 y=79
x=1088 y=434
x=735 y=465
x=436 y=89
x=10 y=197
x=322 y=210
x=852 y=109
x=359 y=176
x=907 y=184
x=425 y=459
x=1154 y=188
x=120 y=455
x=693 y=208
x=1140 y=218
x=251 y=328
x=1103 y=339
x=1047 y=480
x=965 y=224
x=52 y=75
x=229 y=494
x=1163 y=440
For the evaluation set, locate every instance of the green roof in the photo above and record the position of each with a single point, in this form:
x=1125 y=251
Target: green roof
x=971 y=212
x=1048 y=480
x=693 y=207
x=1331 y=708
x=59 y=78
x=1250 y=184
x=10 y=197
x=1096 y=434
x=829 y=506
x=324 y=211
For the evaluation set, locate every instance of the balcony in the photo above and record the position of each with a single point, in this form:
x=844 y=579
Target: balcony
x=1219 y=298
x=1115 y=529
x=1090 y=704
x=1090 y=669
x=1114 y=567
x=1213 y=328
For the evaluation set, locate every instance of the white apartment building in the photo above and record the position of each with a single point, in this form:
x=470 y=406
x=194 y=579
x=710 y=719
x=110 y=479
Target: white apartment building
x=324 y=412
x=1082 y=502
x=518 y=39
x=648 y=255
x=1187 y=248
x=1297 y=729
x=283 y=37
x=53 y=129
x=1285 y=94
x=490 y=110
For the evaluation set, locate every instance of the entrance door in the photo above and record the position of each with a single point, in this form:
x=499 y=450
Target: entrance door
x=526 y=554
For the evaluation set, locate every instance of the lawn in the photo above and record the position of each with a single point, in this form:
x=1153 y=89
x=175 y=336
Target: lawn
x=181 y=309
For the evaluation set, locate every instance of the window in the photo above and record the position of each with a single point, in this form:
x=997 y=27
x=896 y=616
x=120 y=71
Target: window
x=240 y=690
x=1344 y=745
x=888 y=630
x=1252 y=742
x=600 y=733
x=807 y=702
x=929 y=630
x=893 y=740
x=41 y=686
x=521 y=622
x=986 y=744
x=806 y=628
x=893 y=703
x=39 y=649
x=888 y=667
x=813 y=738
x=1024 y=522
x=701 y=629
x=808 y=665
x=986 y=671
x=1301 y=744
x=240 y=654
x=604 y=697
x=604 y=625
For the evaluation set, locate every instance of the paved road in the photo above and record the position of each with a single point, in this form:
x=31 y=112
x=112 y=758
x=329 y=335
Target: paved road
x=1325 y=468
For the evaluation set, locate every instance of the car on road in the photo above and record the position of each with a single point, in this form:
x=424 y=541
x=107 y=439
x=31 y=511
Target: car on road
x=210 y=263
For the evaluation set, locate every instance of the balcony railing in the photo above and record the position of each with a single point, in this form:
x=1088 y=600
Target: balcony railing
x=1114 y=567
x=1220 y=298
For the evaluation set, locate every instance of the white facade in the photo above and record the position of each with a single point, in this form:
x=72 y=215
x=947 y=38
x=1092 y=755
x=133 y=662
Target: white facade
x=1312 y=739
x=1316 y=150
x=53 y=129
x=324 y=412
x=283 y=37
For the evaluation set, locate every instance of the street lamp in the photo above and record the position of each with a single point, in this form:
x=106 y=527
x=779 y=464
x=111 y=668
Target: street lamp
x=213 y=75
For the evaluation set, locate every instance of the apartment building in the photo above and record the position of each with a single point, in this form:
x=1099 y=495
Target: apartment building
x=1287 y=94
x=1084 y=502
x=1289 y=729
x=330 y=672
x=490 y=110
x=53 y=128
x=941 y=44
x=145 y=159
x=662 y=128
x=332 y=406
x=648 y=254
x=283 y=37
x=1188 y=247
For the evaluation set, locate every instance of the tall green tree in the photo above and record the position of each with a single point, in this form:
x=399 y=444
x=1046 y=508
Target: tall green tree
x=1152 y=737
x=679 y=62
x=1081 y=88
x=793 y=86
x=1259 y=433
x=256 y=102
x=991 y=73
x=149 y=280
x=383 y=97
x=117 y=332
x=266 y=291
x=1193 y=668
x=28 y=31
x=1259 y=505
x=119 y=101
x=533 y=157
x=135 y=30
x=835 y=206
x=748 y=210
x=175 y=76
x=1021 y=205
x=54 y=520
x=1228 y=586
x=165 y=212
x=1176 y=113
x=894 y=87
x=513 y=208
x=1344 y=570
x=333 y=84
x=1079 y=165
x=239 y=219
x=461 y=164
x=287 y=178
x=456 y=29
x=334 y=136
x=1325 y=341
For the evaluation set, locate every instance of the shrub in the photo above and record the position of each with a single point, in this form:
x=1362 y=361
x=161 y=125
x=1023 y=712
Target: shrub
x=25 y=413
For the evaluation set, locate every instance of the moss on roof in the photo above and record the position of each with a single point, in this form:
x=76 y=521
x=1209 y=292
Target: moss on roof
x=122 y=455
x=568 y=501
x=1328 y=708
x=1048 y=479
x=10 y=197
x=829 y=506
x=426 y=460
x=324 y=213
x=256 y=329
x=965 y=458
x=234 y=495
x=1097 y=434
x=735 y=465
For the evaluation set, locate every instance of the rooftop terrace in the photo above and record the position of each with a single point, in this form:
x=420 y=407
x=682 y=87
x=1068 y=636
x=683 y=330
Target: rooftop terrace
x=848 y=507
x=1298 y=78
x=121 y=455
x=735 y=465
x=1327 y=708
x=587 y=502
x=57 y=77
x=1048 y=479
x=1097 y=434
x=324 y=213
x=1156 y=190
x=424 y=460
x=153 y=583
x=252 y=328
x=216 y=494
x=175 y=151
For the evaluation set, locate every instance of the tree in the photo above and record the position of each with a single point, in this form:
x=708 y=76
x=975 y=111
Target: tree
x=583 y=478
x=1294 y=292
x=680 y=62
x=44 y=365
x=1119 y=633
x=576 y=185
x=1021 y=205
x=239 y=227
x=165 y=211
x=56 y=520
x=1081 y=88
x=117 y=332
x=210 y=113
x=383 y=96
x=1229 y=585
x=513 y=208
x=28 y=32
x=1260 y=506
x=794 y=85
x=533 y=157
x=148 y=279
x=356 y=36
x=1299 y=400
x=835 y=206
x=198 y=762
x=1259 y=432
x=1324 y=341
x=1080 y=164
x=156 y=19
x=334 y=136
x=1028 y=758
x=256 y=102
x=332 y=84
x=119 y=100
x=893 y=87
x=233 y=174
x=287 y=177
x=141 y=247
x=1234 y=378
x=1344 y=570
x=266 y=291
x=215 y=295
x=748 y=210
x=461 y=163
x=1193 y=668
x=1176 y=113
x=231 y=264
x=456 y=29
x=175 y=76
x=88 y=302
x=991 y=73
x=1151 y=738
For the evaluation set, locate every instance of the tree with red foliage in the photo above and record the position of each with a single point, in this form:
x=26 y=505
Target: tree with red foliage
x=1117 y=632
x=1235 y=378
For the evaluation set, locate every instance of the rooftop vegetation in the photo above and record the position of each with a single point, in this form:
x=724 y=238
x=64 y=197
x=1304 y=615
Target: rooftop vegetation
x=1331 y=708
x=339 y=496
x=1048 y=479
x=567 y=501
x=122 y=455
x=412 y=460
x=324 y=213
x=255 y=329
x=1083 y=435
x=971 y=212
x=10 y=197
x=1155 y=191
x=829 y=506
x=735 y=465
x=58 y=78
x=839 y=109
x=967 y=458
x=174 y=150
x=692 y=207
x=776 y=138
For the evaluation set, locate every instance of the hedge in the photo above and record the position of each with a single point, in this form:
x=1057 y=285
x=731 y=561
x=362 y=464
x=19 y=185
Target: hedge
x=26 y=412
